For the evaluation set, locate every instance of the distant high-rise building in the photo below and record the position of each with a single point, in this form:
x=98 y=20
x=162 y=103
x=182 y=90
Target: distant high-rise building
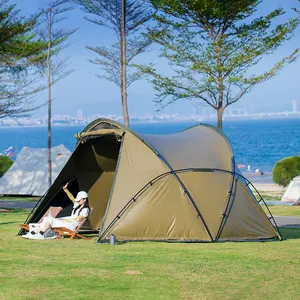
x=295 y=104
x=79 y=114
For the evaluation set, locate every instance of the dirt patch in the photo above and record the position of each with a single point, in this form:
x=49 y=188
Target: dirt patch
x=133 y=272
x=5 y=210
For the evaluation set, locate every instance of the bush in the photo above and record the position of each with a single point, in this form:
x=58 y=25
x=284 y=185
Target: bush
x=5 y=163
x=286 y=169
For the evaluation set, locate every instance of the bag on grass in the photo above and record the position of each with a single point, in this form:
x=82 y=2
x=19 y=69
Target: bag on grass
x=50 y=234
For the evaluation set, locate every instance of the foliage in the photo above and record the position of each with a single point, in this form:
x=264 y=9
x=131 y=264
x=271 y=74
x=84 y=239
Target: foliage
x=108 y=13
x=213 y=48
x=20 y=53
x=126 y=18
x=286 y=169
x=55 y=38
x=5 y=164
x=145 y=270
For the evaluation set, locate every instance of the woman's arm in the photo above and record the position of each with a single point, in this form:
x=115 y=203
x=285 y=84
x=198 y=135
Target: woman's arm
x=71 y=197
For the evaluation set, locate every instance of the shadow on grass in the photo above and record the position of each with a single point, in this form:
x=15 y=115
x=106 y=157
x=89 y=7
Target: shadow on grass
x=290 y=233
x=5 y=223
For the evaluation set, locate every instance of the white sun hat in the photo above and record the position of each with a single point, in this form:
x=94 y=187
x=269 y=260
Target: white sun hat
x=80 y=196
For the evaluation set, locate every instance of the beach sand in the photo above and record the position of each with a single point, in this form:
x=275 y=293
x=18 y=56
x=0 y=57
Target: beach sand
x=268 y=187
x=264 y=184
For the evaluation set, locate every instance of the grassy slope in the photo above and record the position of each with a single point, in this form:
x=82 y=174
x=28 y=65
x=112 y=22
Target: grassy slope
x=64 y=269
x=293 y=211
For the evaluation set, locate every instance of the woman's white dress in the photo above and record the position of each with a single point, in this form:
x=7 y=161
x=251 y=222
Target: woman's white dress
x=70 y=222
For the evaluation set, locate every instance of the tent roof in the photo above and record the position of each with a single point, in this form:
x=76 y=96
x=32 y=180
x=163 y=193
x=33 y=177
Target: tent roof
x=29 y=173
x=179 y=150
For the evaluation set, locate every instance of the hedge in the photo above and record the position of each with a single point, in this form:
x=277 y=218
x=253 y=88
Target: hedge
x=286 y=169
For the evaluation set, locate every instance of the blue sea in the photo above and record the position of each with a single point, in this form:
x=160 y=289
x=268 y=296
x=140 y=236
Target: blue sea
x=258 y=143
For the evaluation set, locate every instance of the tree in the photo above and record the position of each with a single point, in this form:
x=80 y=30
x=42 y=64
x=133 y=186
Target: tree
x=56 y=70
x=5 y=164
x=286 y=169
x=126 y=19
x=20 y=55
x=212 y=47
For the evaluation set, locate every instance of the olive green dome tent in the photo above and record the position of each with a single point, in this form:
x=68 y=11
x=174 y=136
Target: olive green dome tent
x=178 y=187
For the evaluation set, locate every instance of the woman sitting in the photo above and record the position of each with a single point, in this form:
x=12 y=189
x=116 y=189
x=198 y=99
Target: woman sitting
x=80 y=210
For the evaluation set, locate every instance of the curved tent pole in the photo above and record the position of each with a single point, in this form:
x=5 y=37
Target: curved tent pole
x=157 y=178
x=189 y=196
x=92 y=125
x=271 y=216
x=231 y=195
x=248 y=182
x=131 y=201
x=95 y=123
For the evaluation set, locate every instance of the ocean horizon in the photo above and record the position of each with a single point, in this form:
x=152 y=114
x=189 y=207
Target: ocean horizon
x=257 y=143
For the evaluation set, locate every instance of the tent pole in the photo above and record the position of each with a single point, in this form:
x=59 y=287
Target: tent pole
x=154 y=180
x=225 y=214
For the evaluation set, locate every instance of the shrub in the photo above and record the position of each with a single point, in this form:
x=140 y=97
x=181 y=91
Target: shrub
x=5 y=163
x=286 y=169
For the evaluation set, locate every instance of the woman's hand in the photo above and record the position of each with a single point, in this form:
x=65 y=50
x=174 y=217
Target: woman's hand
x=65 y=186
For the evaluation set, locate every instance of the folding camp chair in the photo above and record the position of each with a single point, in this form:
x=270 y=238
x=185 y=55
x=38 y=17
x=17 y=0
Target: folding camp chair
x=52 y=209
x=63 y=231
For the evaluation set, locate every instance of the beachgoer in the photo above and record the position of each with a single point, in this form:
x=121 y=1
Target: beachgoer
x=80 y=211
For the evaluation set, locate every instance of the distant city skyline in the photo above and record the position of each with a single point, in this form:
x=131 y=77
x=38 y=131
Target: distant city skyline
x=79 y=118
x=82 y=90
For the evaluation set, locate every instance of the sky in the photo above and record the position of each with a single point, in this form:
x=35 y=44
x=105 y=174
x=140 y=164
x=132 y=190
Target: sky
x=83 y=90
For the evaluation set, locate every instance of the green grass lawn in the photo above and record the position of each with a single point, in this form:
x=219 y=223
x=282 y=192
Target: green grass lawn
x=281 y=210
x=19 y=198
x=268 y=196
x=78 y=269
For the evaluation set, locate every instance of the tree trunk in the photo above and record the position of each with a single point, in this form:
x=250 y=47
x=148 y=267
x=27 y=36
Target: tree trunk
x=124 y=66
x=49 y=99
x=220 y=118
x=219 y=107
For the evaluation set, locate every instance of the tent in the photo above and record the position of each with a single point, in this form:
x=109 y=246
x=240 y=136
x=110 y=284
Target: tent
x=292 y=193
x=178 y=187
x=29 y=173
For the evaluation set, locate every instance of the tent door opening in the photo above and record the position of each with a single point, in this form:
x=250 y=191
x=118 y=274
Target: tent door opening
x=96 y=162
